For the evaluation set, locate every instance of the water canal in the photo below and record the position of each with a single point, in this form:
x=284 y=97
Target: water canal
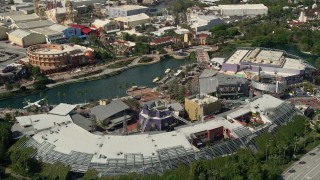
x=114 y=86
x=102 y=88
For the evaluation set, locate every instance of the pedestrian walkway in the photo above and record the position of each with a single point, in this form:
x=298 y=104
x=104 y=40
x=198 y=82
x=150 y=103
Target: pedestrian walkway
x=203 y=57
x=181 y=119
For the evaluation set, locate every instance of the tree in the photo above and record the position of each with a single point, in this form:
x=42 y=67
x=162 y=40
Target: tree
x=316 y=48
x=8 y=87
x=189 y=87
x=35 y=70
x=142 y=48
x=8 y=117
x=317 y=63
x=17 y=85
x=55 y=171
x=91 y=174
x=21 y=161
x=126 y=36
x=262 y=41
x=92 y=38
x=5 y=139
x=182 y=93
x=75 y=40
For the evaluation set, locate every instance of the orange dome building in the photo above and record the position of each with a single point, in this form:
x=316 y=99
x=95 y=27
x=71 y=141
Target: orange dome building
x=89 y=54
x=54 y=57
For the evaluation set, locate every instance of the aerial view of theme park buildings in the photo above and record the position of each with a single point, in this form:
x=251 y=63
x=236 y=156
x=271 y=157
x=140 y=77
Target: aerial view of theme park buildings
x=148 y=89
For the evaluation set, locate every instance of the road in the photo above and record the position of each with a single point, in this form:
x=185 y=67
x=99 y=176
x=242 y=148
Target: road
x=309 y=170
x=12 y=49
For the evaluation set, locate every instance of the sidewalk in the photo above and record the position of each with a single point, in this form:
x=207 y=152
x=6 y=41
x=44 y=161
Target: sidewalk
x=105 y=72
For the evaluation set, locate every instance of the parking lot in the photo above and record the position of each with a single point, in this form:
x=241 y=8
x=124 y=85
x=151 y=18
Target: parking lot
x=10 y=53
x=308 y=167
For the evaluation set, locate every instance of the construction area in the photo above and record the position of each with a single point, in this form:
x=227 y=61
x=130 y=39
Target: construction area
x=144 y=94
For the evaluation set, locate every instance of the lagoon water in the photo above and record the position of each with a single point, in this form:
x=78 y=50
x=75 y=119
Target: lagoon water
x=111 y=87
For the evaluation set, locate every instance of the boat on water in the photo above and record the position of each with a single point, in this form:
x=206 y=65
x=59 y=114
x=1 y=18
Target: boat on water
x=167 y=71
x=156 y=79
x=36 y=103
x=178 y=72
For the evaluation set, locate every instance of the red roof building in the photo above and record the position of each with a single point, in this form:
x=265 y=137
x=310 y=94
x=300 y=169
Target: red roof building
x=161 y=41
x=84 y=30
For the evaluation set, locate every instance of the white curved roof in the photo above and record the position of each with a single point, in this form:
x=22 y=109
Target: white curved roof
x=71 y=137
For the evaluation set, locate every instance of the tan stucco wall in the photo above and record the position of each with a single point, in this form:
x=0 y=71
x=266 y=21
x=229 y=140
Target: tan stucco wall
x=3 y=34
x=134 y=23
x=193 y=109
x=16 y=40
x=33 y=38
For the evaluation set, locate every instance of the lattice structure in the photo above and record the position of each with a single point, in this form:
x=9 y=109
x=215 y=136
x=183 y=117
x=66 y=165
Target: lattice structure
x=163 y=159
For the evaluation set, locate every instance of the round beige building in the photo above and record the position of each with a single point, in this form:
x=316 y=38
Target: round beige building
x=55 y=57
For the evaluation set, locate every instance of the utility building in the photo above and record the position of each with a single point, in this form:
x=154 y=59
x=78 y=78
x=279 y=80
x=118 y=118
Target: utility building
x=25 y=38
x=243 y=10
x=3 y=33
x=132 y=21
x=111 y=114
x=200 y=106
x=126 y=10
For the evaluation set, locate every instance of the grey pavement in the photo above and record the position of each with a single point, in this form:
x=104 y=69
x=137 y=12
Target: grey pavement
x=12 y=49
x=310 y=170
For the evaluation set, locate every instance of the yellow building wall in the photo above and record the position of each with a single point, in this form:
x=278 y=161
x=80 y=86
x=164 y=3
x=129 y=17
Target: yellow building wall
x=33 y=38
x=193 y=109
x=186 y=38
x=135 y=23
x=195 y=112
x=18 y=41
x=3 y=34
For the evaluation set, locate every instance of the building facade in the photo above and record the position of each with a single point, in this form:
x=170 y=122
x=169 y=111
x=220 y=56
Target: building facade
x=126 y=10
x=199 y=139
x=112 y=114
x=107 y=25
x=132 y=21
x=156 y=117
x=54 y=57
x=3 y=33
x=200 y=106
x=25 y=38
x=223 y=85
x=269 y=84
x=68 y=31
x=243 y=10
x=253 y=61
x=204 y=22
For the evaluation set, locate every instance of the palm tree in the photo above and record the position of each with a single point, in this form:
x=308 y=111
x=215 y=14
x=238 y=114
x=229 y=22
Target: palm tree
x=296 y=139
x=314 y=130
x=268 y=144
x=46 y=100
x=285 y=147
